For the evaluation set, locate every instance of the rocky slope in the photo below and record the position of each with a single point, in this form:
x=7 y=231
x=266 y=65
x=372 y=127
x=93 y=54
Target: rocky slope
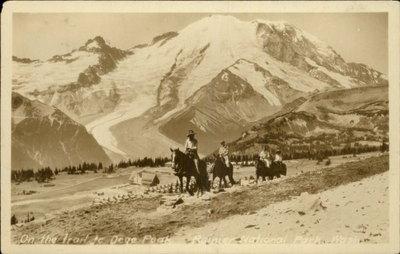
x=44 y=136
x=168 y=83
x=224 y=107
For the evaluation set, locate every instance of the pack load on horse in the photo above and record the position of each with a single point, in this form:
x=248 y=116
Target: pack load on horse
x=276 y=167
x=188 y=164
x=222 y=166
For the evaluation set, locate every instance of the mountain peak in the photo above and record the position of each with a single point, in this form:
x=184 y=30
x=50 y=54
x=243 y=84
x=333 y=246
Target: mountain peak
x=221 y=18
x=216 y=21
x=97 y=42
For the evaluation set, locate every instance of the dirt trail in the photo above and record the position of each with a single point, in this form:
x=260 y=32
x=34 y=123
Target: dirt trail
x=145 y=216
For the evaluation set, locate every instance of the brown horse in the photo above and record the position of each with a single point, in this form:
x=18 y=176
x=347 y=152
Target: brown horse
x=276 y=169
x=184 y=166
x=220 y=170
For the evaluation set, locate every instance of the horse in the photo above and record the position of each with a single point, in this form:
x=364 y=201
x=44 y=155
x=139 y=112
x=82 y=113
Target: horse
x=184 y=166
x=220 y=170
x=276 y=169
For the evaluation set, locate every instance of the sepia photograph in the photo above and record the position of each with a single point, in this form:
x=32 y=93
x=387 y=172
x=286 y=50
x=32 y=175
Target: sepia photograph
x=206 y=129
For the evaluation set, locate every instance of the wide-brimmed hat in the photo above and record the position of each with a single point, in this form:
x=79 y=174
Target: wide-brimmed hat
x=191 y=132
x=222 y=142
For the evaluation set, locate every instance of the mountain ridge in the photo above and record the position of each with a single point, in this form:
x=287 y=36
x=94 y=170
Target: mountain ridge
x=44 y=136
x=333 y=119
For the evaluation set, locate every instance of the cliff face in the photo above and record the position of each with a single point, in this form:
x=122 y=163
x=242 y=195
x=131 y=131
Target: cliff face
x=44 y=136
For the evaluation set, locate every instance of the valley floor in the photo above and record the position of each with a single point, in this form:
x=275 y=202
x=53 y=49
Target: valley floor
x=348 y=201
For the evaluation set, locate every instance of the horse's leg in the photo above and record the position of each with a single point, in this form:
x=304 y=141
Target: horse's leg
x=231 y=180
x=181 y=178
x=204 y=177
x=199 y=185
x=230 y=175
x=190 y=183
x=185 y=189
x=225 y=182
x=188 y=189
x=212 y=182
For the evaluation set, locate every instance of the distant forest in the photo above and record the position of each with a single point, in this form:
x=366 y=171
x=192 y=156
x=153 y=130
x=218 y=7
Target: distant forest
x=46 y=174
x=293 y=153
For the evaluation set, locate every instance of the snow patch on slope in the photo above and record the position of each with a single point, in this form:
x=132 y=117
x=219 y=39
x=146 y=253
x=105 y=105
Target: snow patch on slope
x=343 y=80
x=257 y=79
x=41 y=76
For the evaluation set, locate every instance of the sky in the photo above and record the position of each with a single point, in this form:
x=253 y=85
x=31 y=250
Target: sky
x=357 y=37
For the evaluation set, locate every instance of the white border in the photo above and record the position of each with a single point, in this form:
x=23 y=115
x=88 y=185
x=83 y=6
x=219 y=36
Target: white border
x=197 y=7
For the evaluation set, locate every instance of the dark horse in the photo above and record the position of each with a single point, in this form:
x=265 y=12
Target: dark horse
x=184 y=166
x=275 y=169
x=220 y=170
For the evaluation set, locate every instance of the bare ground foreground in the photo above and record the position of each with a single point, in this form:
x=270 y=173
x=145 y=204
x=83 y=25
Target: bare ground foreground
x=309 y=203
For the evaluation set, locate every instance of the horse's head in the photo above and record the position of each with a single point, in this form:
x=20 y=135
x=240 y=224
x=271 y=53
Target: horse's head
x=175 y=158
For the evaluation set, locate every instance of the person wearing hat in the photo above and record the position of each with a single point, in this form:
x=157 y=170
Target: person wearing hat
x=191 y=148
x=224 y=153
x=265 y=156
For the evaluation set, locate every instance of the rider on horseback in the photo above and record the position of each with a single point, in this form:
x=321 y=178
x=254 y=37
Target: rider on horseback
x=265 y=156
x=278 y=157
x=191 y=148
x=223 y=153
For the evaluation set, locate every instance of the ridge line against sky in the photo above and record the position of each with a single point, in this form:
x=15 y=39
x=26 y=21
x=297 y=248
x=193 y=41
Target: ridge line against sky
x=357 y=37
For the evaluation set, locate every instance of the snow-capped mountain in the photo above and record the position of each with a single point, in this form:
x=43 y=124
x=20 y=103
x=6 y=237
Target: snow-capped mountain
x=68 y=81
x=217 y=76
x=44 y=136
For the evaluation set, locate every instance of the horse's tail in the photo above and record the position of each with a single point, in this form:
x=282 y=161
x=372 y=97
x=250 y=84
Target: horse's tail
x=204 y=174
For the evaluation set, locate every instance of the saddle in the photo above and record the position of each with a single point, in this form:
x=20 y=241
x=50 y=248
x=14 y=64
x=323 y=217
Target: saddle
x=191 y=153
x=263 y=163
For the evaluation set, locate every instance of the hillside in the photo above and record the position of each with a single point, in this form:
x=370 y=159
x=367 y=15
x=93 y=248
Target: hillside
x=327 y=120
x=44 y=136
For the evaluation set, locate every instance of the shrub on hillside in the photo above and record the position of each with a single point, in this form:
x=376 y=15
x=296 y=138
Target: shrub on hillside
x=14 y=220
x=328 y=162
